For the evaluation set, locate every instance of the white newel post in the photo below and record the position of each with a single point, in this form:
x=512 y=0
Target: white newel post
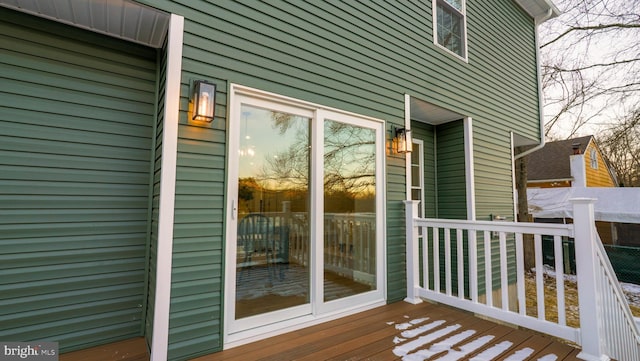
x=588 y=290
x=413 y=275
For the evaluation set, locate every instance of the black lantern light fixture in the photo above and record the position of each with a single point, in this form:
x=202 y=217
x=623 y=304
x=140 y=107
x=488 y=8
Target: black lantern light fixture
x=204 y=100
x=402 y=140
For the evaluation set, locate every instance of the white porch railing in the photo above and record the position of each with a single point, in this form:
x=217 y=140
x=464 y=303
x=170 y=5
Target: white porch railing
x=480 y=266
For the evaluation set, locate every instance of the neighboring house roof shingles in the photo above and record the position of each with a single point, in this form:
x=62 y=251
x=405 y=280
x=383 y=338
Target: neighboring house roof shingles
x=552 y=161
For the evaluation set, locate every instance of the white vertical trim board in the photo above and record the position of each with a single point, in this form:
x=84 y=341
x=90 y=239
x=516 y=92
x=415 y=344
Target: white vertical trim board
x=232 y=215
x=160 y=342
x=469 y=169
x=317 y=204
x=513 y=178
x=407 y=158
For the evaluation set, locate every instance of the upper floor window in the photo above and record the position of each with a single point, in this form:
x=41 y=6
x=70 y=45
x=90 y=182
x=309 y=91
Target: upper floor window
x=594 y=159
x=450 y=26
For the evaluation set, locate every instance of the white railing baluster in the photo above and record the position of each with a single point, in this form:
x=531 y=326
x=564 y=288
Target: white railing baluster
x=488 y=269
x=460 y=265
x=425 y=257
x=557 y=248
x=436 y=259
x=473 y=265
x=520 y=282
x=447 y=260
x=537 y=245
x=504 y=271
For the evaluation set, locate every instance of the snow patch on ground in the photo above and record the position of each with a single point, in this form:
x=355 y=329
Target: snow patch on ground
x=631 y=291
x=455 y=355
x=548 y=358
x=520 y=355
x=404 y=349
x=492 y=352
x=397 y=340
x=416 y=343
x=422 y=329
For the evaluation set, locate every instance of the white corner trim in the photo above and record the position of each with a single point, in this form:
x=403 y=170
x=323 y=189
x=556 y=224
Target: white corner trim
x=160 y=341
x=407 y=158
x=469 y=169
x=514 y=193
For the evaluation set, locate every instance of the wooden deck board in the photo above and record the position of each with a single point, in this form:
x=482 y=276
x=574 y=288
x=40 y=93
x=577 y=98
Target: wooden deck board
x=375 y=334
x=561 y=350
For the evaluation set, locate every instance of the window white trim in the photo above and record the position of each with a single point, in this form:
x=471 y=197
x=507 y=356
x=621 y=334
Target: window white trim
x=463 y=12
x=419 y=148
x=160 y=341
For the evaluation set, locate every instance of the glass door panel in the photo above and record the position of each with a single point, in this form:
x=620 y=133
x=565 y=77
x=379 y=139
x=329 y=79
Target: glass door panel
x=273 y=238
x=350 y=257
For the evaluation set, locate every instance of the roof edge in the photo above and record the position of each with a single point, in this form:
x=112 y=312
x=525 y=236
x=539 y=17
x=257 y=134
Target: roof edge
x=550 y=180
x=539 y=10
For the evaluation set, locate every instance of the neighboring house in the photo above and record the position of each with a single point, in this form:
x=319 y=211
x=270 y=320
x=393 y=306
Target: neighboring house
x=576 y=162
x=125 y=213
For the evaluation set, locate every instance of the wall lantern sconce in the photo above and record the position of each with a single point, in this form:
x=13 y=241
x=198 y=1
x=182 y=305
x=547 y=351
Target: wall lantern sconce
x=402 y=140
x=204 y=100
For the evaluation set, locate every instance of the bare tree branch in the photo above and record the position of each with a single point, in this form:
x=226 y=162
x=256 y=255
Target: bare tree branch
x=557 y=68
x=590 y=28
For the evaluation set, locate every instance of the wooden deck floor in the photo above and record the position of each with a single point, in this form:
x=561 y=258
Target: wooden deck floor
x=393 y=332
x=416 y=332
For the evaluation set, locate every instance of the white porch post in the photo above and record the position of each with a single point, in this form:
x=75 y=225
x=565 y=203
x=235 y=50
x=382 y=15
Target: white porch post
x=413 y=275
x=590 y=313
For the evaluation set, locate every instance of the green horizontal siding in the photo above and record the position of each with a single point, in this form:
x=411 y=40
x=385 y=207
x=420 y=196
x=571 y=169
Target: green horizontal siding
x=450 y=171
x=76 y=114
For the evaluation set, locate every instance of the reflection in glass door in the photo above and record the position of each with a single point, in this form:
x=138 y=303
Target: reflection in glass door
x=349 y=210
x=272 y=253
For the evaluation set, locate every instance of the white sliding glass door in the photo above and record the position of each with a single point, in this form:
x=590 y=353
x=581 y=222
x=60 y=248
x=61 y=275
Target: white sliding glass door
x=305 y=220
